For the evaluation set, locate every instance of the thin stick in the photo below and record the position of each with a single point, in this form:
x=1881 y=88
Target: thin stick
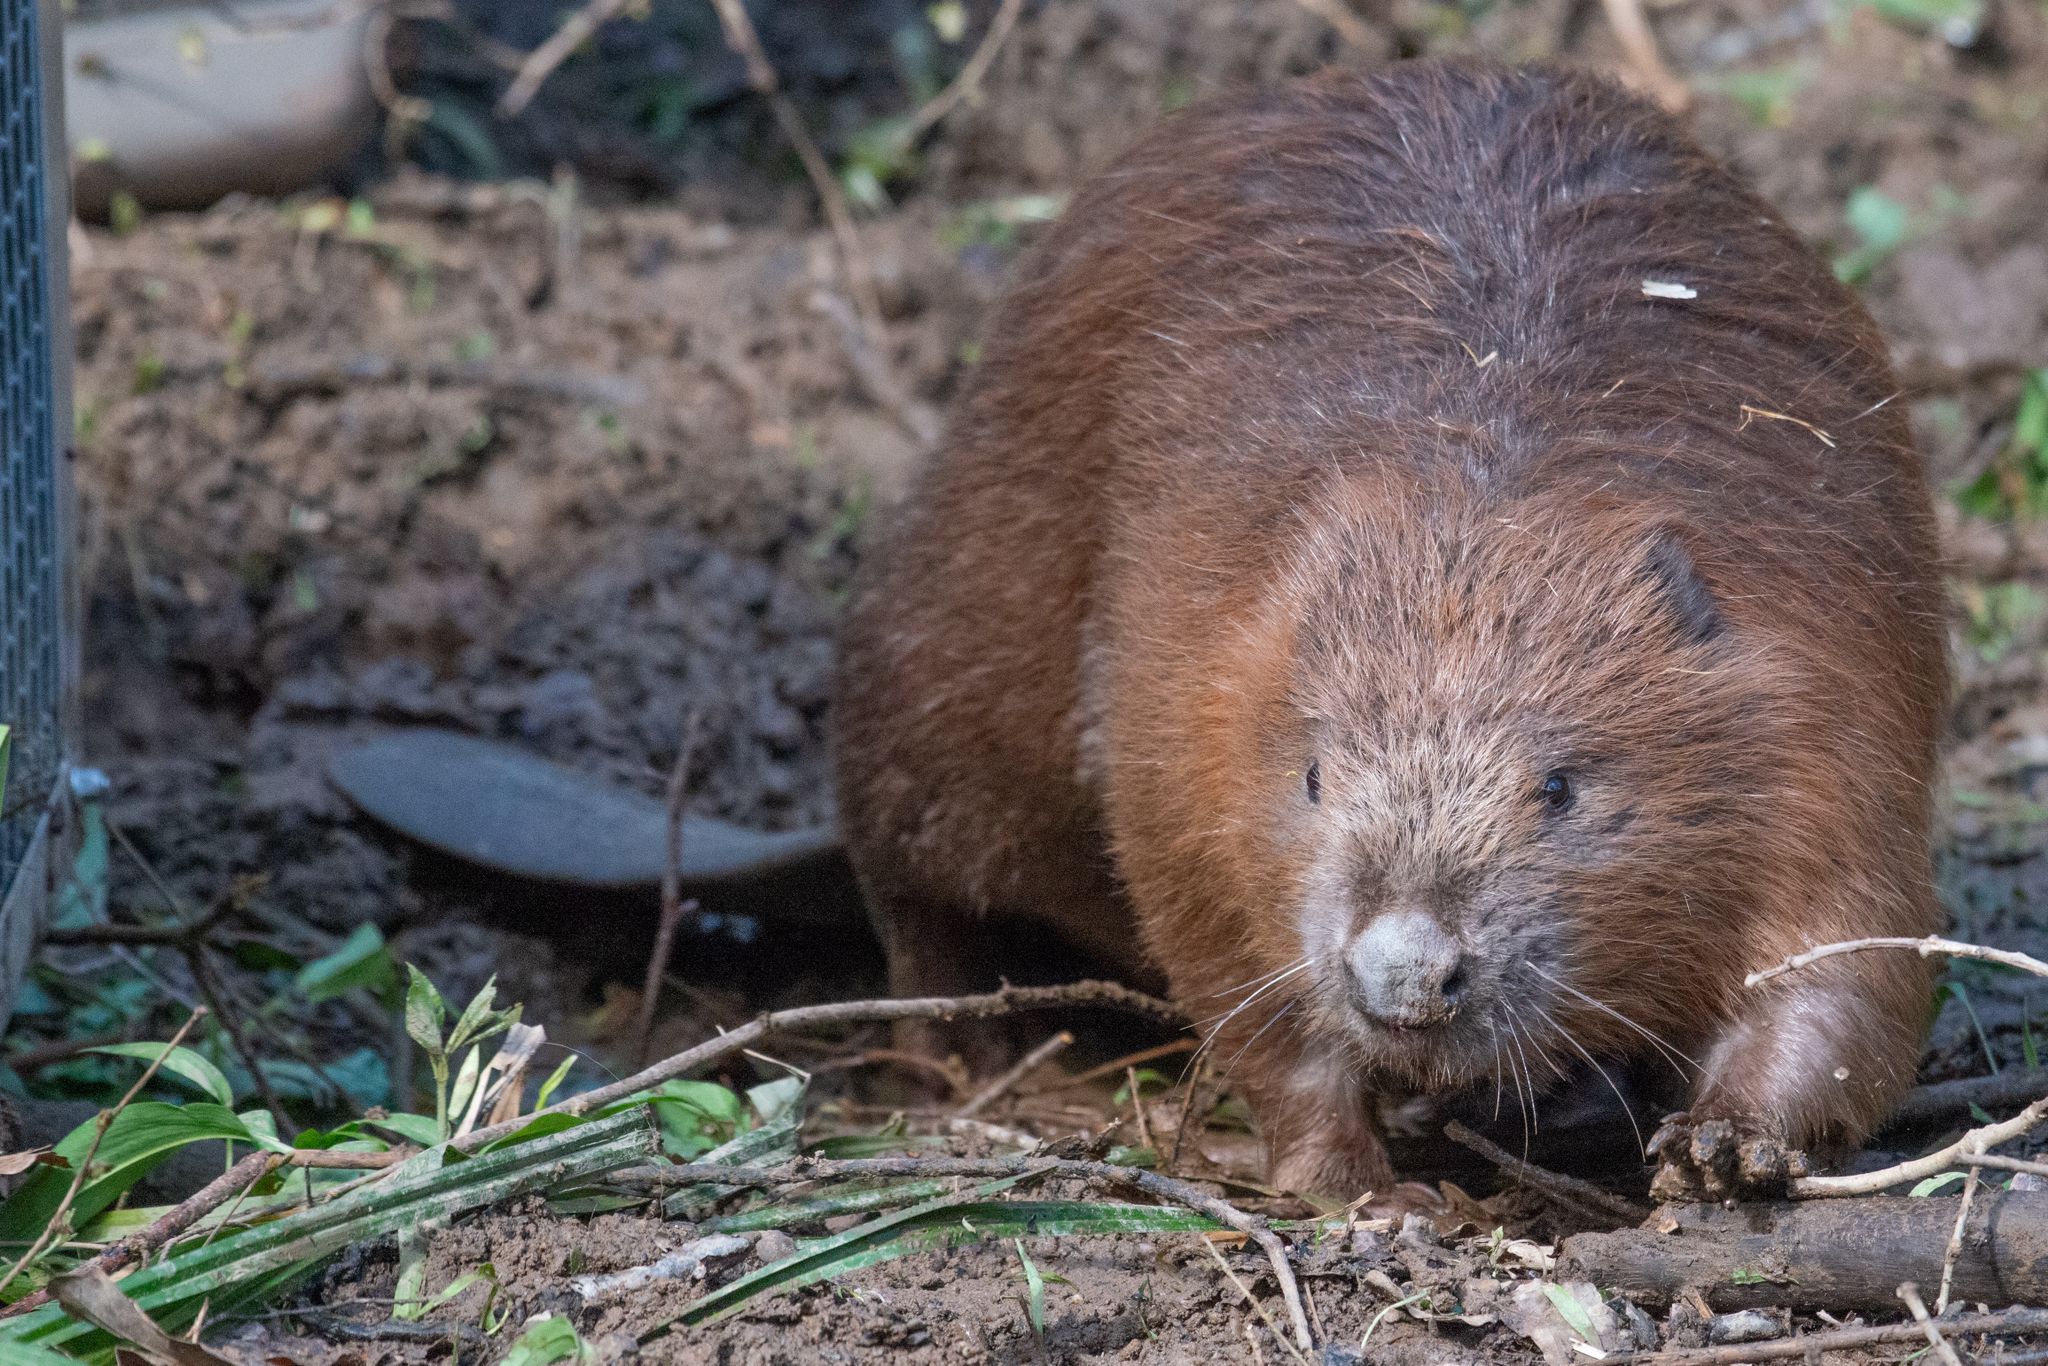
x=2004 y=1323
x=894 y=1057
x=1138 y=1108
x=215 y=993
x=1257 y=1308
x=966 y=85
x=2006 y=1164
x=1640 y=44
x=1112 y=1067
x=1023 y=1068
x=1166 y=1188
x=1007 y=1001
x=1930 y=945
x=209 y=1197
x=1555 y=1184
x=99 y=1132
x=672 y=903
x=1970 y=1144
x=1955 y=1240
x=1349 y=26
x=741 y=38
x=1910 y=1293
x=542 y=61
x=1187 y=1111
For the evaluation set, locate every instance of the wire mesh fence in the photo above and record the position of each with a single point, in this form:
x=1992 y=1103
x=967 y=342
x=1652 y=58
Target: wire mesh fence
x=31 y=574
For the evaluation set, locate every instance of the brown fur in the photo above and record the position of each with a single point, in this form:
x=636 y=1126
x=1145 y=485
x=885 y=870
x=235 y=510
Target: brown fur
x=1334 y=424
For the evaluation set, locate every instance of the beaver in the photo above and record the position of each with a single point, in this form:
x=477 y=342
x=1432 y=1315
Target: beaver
x=1427 y=563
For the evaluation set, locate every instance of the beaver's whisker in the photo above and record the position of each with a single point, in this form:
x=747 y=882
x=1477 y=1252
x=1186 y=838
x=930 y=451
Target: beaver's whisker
x=1285 y=1006
x=1671 y=1053
x=1566 y=1035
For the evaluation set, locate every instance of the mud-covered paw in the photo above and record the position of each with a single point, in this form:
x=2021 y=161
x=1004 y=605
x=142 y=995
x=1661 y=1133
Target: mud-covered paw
x=1720 y=1159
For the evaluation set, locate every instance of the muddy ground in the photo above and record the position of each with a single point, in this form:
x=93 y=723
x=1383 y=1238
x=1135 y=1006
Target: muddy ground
x=563 y=466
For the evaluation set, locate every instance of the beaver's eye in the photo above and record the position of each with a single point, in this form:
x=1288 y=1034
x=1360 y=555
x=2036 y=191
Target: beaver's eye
x=1557 y=793
x=1313 y=780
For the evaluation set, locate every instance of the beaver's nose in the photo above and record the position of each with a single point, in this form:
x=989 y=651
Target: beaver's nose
x=1408 y=971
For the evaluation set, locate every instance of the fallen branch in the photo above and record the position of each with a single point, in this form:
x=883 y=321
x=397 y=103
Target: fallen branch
x=1836 y=1255
x=1944 y=1102
x=1008 y=1001
x=2004 y=1323
x=1558 y=1186
x=1166 y=1188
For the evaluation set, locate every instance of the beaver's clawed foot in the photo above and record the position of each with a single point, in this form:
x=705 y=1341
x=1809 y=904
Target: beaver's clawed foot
x=1719 y=1159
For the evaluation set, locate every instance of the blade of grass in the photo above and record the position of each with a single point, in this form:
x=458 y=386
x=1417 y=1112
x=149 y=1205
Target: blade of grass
x=947 y=1221
x=426 y=1187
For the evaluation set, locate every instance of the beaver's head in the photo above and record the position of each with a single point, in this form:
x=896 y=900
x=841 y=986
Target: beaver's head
x=1523 y=744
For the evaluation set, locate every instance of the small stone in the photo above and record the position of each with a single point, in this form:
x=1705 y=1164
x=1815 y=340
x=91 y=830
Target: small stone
x=773 y=1246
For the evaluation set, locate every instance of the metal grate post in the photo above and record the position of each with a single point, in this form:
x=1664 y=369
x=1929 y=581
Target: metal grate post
x=38 y=612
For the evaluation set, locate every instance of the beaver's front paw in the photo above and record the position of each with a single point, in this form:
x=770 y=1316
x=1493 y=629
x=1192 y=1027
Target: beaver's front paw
x=1720 y=1159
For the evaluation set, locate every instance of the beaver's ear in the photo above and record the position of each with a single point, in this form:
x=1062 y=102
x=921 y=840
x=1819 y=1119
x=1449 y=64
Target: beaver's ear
x=1670 y=568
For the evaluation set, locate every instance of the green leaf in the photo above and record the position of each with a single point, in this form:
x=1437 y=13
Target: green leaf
x=773 y=1098
x=361 y=961
x=1034 y=1301
x=547 y=1339
x=1933 y=1184
x=1742 y=1275
x=1881 y=225
x=555 y=1079
x=138 y=1138
x=412 y=1128
x=1572 y=1312
x=179 y=1061
x=479 y=1021
x=425 y=1012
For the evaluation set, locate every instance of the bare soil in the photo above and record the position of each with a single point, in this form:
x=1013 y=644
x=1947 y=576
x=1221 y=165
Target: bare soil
x=564 y=469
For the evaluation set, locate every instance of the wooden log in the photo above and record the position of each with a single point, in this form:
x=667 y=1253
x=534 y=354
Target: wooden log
x=1837 y=1255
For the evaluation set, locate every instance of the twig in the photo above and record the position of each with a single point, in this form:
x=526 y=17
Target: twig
x=1570 y=1189
x=1138 y=1107
x=966 y=85
x=174 y=1221
x=916 y=1062
x=1257 y=1308
x=1111 y=1068
x=214 y=991
x=542 y=61
x=1633 y=30
x=1930 y=945
x=1021 y=1069
x=1187 y=1109
x=276 y=382
x=2004 y=1323
x=58 y=1050
x=1166 y=1188
x=1955 y=1239
x=1910 y=1293
x=1971 y=1143
x=741 y=38
x=672 y=903
x=2004 y=1164
x=1349 y=26
x=1007 y=1001
x=99 y=1132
